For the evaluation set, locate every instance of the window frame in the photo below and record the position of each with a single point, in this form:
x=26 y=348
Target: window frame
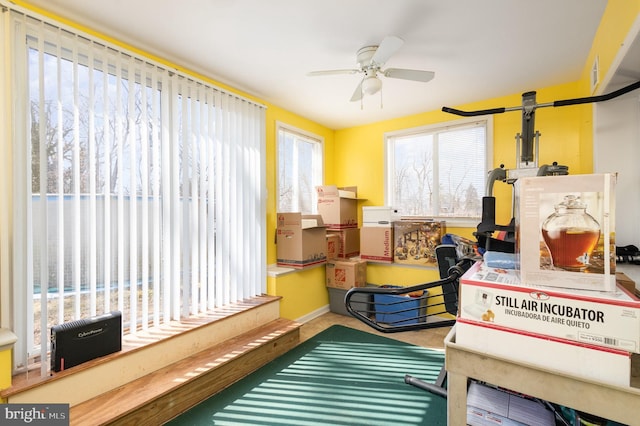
x=318 y=159
x=389 y=158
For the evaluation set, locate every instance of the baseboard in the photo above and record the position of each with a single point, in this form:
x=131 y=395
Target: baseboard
x=313 y=315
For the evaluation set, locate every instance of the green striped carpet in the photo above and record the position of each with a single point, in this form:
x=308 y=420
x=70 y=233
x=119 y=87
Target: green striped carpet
x=341 y=376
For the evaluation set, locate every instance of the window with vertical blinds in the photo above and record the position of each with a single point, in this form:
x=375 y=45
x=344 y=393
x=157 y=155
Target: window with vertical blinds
x=300 y=169
x=135 y=188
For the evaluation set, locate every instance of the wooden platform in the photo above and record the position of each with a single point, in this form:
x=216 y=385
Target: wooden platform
x=165 y=370
x=159 y=396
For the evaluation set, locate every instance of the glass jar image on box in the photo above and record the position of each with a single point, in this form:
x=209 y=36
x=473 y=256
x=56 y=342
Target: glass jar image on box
x=571 y=234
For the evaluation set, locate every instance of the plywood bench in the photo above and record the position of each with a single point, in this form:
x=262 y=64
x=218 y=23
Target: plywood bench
x=163 y=394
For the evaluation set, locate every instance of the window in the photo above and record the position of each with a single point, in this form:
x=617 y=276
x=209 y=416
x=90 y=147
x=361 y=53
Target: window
x=299 y=169
x=439 y=171
x=137 y=189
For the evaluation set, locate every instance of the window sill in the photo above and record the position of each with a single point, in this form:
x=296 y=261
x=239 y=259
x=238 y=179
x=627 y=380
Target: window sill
x=275 y=271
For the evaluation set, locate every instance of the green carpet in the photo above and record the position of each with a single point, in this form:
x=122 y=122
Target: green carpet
x=341 y=376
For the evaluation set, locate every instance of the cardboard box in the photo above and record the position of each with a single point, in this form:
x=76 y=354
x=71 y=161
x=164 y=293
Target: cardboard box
x=416 y=241
x=490 y=406
x=345 y=274
x=301 y=240
x=348 y=242
x=333 y=245
x=338 y=206
x=379 y=215
x=376 y=243
x=609 y=319
x=566 y=232
x=604 y=365
x=359 y=302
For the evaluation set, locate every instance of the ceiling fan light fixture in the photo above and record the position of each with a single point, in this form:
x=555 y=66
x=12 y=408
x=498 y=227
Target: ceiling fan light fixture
x=371 y=85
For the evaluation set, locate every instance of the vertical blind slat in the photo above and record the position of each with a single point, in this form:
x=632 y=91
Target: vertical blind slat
x=144 y=200
x=194 y=115
x=119 y=141
x=183 y=196
x=176 y=224
x=60 y=176
x=93 y=252
x=44 y=275
x=167 y=220
x=202 y=212
x=76 y=221
x=211 y=195
x=108 y=116
x=132 y=153
x=155 y=178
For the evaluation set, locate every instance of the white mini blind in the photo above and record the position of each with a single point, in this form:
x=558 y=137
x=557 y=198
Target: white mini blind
x=439 y=171
x=139 y=189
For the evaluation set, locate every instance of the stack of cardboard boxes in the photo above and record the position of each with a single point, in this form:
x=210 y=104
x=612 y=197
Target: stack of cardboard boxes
x=571 y=319
x=339 y=210
x=332 y=237
x=309 y=240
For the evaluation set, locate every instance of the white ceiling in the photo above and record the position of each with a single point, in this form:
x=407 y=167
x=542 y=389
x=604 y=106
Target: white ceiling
x=478 y=49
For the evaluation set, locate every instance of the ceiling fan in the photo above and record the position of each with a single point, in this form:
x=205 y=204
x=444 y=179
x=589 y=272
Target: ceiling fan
x=371 y=59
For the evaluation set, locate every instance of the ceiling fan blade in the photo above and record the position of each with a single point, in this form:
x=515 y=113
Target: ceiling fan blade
x=415 y=75
x=387 y=47
x=332 y=72
x=357 y=94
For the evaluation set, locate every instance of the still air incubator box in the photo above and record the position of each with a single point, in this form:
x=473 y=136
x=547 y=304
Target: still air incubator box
x=495 y=297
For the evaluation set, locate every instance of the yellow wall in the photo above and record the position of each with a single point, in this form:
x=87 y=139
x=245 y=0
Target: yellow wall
x=619 y=18
x=355 y=156
x=5 y=368
x=302 y=292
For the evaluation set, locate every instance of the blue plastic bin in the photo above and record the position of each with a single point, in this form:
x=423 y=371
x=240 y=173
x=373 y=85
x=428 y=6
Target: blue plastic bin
x=400 y=310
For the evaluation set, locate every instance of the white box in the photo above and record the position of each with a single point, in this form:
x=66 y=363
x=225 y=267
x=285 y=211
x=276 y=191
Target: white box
x=566 y=231
x=609 y=319
x=379 y=215
x=597 y=363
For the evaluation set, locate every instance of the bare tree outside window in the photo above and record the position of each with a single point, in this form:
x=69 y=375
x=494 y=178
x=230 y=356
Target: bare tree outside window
x=299 y=170
x=438 y=172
